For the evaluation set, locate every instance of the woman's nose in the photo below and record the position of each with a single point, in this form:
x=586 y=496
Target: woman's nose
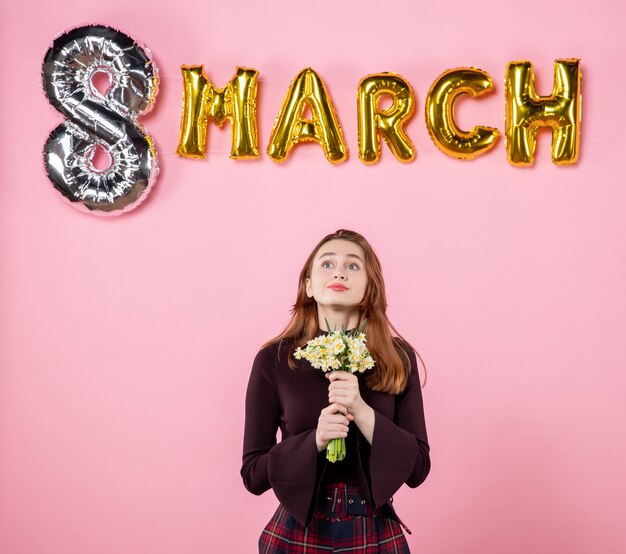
x=339 y=274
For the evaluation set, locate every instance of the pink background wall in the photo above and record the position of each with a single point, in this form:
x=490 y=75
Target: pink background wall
x=125 y=343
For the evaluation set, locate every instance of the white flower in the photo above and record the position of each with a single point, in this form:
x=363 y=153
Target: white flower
x=337 y=351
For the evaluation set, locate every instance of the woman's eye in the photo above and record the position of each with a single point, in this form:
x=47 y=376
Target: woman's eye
x=353 y=266
x=326 y=264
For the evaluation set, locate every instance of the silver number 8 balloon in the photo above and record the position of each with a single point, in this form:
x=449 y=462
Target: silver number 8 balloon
x=108 y=119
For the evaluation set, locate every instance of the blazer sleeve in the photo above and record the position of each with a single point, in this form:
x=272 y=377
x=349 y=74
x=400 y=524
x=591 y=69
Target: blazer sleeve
x=399 y=451
x=290 y=467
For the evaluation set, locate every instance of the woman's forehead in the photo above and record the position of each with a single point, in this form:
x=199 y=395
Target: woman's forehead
x=340 y=247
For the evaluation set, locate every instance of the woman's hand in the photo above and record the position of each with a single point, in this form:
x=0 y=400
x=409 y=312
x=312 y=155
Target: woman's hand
x=332 y=425
x=344 y=390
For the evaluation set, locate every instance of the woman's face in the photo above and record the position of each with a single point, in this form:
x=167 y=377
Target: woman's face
x=338 y=277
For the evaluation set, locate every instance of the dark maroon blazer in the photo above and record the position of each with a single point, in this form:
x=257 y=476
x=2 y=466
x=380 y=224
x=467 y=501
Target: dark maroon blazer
x=281 y=397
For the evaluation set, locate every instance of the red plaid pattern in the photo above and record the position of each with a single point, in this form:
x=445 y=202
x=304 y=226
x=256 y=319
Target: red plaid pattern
x=333 y=530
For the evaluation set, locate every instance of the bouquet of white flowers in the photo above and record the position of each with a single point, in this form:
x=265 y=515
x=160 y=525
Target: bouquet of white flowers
x=337 y=351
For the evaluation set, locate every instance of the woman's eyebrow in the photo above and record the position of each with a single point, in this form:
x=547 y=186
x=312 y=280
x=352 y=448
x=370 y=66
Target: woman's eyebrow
x=347 y=256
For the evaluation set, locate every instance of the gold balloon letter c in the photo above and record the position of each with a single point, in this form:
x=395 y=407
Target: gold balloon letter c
x=440 y=121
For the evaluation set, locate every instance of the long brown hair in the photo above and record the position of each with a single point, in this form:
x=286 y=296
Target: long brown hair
x=392 y=369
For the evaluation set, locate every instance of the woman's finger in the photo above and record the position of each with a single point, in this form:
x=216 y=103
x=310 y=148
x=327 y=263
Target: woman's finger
x=335 y=407
x=341 y=376
x=336 y=420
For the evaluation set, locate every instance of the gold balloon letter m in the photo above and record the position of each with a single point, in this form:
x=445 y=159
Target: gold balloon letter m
x=526 y=112
x=235 y=102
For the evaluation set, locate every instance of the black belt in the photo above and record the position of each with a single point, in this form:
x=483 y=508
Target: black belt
x=341 y=500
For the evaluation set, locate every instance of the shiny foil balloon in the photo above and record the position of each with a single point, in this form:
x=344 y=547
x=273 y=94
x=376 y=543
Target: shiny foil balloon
x=440 y=121
x=108 y=119
x=236 y=102
x=307 y=89
x=389 y=122
x=526 y=112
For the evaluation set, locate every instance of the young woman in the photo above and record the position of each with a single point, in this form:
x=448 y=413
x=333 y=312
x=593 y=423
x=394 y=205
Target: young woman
x=346 y=505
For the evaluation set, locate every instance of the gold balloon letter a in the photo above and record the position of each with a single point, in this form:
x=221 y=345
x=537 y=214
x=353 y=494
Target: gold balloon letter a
x=236 y=102
x=307 y=90
x=440 y=121
x=390 y=122
x=526 y=112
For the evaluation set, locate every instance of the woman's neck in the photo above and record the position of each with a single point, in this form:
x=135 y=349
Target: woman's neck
x=337 y=318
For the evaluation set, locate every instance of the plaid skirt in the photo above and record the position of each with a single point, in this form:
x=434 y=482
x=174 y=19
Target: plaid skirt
x=342 y=522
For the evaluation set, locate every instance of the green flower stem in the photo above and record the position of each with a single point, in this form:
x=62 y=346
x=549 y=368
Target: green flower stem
x=333 y=451
x=336 y=450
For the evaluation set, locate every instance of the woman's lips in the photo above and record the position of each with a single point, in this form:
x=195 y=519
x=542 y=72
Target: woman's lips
x=338 y=287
